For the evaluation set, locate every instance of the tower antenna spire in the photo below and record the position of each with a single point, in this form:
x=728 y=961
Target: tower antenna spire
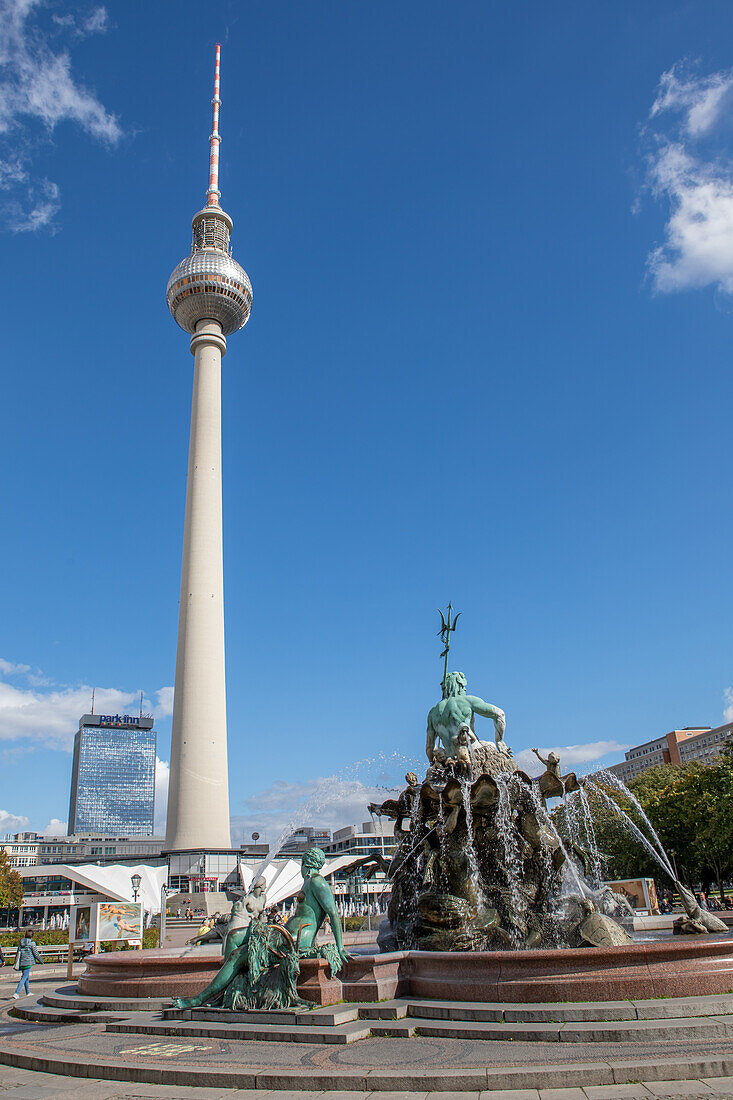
x=214 y=194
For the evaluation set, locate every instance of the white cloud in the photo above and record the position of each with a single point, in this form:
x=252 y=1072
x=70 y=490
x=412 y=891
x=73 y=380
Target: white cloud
x=699 y=100
x=37 y=85
x=11 y=172
x=162 y=777
x=48 y=714
x=570 y=755
x=97 y=22
x=12 y=823
x=55 y=828
x=329 y=801
x=44 y=206
x=728 y=699
x=164 y=706
x=695 y=178
x=7 y=668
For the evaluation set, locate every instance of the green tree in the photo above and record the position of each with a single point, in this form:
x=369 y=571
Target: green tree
x=11 y=884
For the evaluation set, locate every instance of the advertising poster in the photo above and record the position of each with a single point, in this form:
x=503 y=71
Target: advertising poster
x=641 y=892
x=82 y=922
x=119 y=920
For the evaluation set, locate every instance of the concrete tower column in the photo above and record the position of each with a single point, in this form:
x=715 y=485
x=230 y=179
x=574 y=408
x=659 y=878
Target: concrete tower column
x=210 y=297
x=198 y=800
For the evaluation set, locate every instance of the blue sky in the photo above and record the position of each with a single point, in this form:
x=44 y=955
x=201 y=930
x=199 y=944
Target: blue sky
x=488 y=360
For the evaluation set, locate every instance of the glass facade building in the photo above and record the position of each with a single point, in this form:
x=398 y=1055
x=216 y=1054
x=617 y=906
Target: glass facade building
x=113 y=776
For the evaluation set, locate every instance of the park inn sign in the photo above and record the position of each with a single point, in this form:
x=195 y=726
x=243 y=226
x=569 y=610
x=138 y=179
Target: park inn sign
x=118 y=720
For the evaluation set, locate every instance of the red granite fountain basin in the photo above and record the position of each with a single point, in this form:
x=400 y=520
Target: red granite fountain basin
x=682 y=968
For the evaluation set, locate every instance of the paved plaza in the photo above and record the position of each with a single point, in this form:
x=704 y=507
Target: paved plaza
x=444 y=1066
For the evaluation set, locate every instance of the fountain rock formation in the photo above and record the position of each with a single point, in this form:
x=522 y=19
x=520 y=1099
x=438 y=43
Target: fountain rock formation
x=482 y=866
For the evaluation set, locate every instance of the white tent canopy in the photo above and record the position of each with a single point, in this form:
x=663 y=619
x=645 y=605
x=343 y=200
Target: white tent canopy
x=111 y=880
x=284 y=880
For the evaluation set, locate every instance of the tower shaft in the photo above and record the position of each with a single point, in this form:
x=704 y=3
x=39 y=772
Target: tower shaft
x=198 y=800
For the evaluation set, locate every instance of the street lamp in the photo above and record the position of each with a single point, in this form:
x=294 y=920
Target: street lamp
x=135 y=880
x=164 y=891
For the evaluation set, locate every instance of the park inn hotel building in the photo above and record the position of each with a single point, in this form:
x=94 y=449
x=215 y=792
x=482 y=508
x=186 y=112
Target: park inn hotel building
x=692 y=744
x=113 y=776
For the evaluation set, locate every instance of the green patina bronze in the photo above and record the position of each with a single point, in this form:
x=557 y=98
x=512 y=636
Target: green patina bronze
x=456 y=710
x=315 y=904
x=262 y=970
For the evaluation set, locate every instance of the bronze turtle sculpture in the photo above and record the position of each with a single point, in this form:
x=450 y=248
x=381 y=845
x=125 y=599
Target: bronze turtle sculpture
x=599 y=930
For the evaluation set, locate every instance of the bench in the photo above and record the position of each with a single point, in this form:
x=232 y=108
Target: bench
x=49 y=952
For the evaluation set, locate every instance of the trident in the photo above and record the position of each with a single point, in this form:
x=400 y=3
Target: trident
x=446 y=627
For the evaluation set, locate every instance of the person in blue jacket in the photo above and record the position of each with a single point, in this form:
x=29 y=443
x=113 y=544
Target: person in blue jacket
x=27 y=956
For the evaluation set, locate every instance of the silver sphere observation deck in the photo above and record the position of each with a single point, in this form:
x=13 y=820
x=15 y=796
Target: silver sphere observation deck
x=209 y=285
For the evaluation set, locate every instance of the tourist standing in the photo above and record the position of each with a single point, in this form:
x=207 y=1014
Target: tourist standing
x=26 y=956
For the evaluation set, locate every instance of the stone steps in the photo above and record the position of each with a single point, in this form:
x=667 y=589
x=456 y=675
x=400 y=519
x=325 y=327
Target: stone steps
x=318 y=1017
x=37 y=1012
x=348 y=1024
x=676 y=1020
x=622 y=1031
x=272 y=1032
x=82 y=1003
x=557 y=1012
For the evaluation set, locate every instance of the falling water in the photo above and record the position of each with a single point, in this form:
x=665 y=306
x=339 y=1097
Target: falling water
x=581 y=831
x=590 y=832
x=552 y=918
x=550 y=824
x=471 y=843
x=609 y=802
x=512 y=861
x=612 y=780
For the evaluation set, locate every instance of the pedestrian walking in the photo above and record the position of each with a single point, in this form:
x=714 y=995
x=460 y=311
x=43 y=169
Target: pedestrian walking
x=25 y=957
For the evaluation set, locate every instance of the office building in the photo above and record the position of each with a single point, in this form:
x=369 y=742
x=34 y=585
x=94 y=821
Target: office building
x=113 y=776
x=309 y=836
x=32 y=849
x=683 y=746
x=359 y=841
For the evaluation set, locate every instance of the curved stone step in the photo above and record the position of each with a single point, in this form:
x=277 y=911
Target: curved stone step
x=279 y=1033
x=592 y=1031
x=317 y=1017
x=80 y=1002
x=556 y=1012
x=546 y=1075
x=37 y=1012
x=619 y=1031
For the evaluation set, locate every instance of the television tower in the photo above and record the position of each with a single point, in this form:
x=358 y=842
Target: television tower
x=210 y=296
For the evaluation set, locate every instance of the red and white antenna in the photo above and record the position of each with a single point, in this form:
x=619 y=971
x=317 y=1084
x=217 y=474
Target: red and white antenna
x=214 y=193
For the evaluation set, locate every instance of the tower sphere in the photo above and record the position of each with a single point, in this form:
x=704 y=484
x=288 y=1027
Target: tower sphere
x=209 y=285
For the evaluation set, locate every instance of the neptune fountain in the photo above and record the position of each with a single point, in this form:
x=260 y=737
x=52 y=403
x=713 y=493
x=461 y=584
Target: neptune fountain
x=481 y=866
x=484 y=865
